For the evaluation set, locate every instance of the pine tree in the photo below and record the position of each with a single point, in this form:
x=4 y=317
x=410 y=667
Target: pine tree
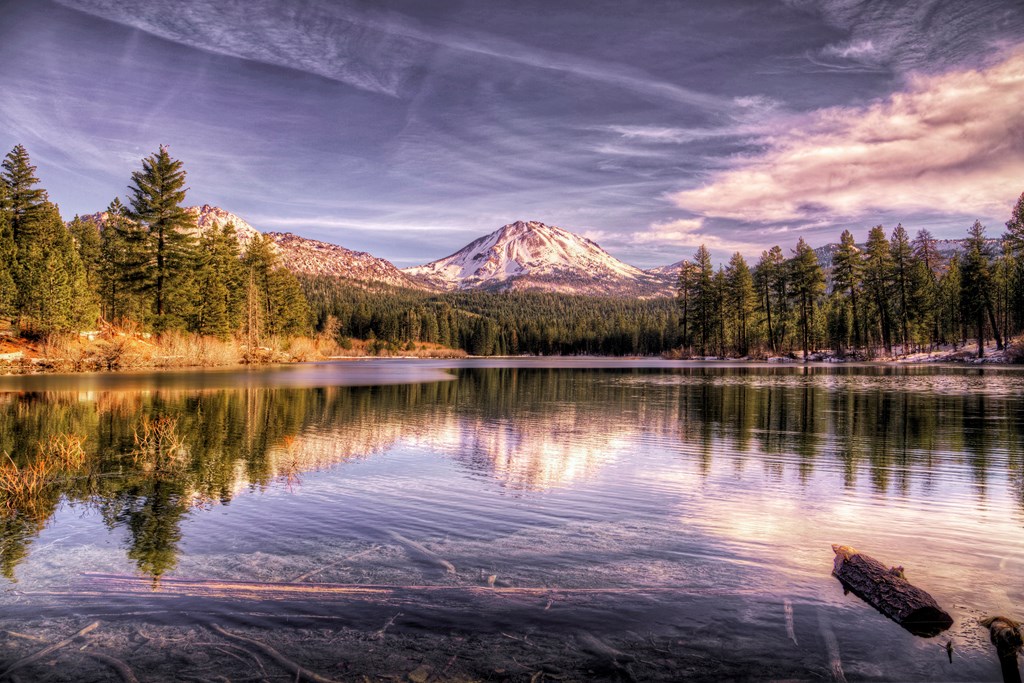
x=742 y=299
x=928 y=263
x=808 y=282
x=771 y=282
x=123 y=252
x=275 y=303
x=684 y=294
x=8 y=261
x=953 y=324
x=53 y=294
x=899 y=247
x=23 y=201
x=1015 y=243
x=86 y=235
x=220 y=281
x=847 y=272
x=703 y=298
x=976 y=285
x=164 y=274
x=878 y=276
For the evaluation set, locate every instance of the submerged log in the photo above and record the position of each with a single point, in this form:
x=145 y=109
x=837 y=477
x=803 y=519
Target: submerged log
x=1005 y=634
x=888 y=591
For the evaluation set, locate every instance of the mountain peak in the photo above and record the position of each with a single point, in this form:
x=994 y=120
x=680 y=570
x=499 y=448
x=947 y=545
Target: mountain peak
x=534 y=255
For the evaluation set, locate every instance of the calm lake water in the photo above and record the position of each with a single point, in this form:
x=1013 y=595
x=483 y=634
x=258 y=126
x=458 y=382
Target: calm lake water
x=671 y=520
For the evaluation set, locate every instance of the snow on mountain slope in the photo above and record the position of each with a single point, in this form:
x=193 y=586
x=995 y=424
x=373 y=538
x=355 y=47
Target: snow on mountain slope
x=302 y=255
x=670 y=273
x=532 y=255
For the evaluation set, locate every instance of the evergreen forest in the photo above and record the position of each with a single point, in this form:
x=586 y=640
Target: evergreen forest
x=143 y=265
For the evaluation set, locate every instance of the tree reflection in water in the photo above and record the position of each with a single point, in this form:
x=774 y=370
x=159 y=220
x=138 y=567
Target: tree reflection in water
x=530 y=429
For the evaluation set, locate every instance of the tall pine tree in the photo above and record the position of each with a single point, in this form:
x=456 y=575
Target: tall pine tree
x=8 y=261
x=164 y=274
x=847 y=270
x=24 y=203
x=808 y=281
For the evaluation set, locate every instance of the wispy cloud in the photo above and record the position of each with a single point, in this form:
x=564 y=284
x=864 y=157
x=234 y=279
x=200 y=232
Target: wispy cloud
x=856 y=49
x=333 y=40
x=371 y=50
x=951 y=143
x=903 y=36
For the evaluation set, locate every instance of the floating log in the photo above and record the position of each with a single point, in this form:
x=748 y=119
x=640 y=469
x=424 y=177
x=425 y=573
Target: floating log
x=1005 y=634
x=888 y=591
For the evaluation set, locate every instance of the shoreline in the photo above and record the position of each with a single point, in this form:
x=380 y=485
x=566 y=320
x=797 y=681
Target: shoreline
x=30 y=369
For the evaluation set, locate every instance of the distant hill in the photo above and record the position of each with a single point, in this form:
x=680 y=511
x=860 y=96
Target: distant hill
x=312 y=257
x=298 y=254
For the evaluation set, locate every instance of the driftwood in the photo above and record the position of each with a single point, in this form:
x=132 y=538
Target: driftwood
x=1005 y=634
x=47 y=651
x=344 y=560
x=300 y=673
x=888 y=591
x=125 y=584
x=418 y=550
x=123 y=670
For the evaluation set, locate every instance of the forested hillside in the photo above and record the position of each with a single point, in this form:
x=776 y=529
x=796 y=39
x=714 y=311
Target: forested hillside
x=489 y=323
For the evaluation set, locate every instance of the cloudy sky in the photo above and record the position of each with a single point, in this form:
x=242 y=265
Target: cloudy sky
x=407 y=128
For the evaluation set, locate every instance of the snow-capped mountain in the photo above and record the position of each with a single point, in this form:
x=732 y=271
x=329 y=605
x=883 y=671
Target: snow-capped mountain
x=532 y=255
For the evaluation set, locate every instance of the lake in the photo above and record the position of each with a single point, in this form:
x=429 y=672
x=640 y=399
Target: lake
x=510 y=520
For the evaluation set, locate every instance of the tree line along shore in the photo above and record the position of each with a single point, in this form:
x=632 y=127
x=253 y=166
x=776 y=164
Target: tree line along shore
x=144 y=287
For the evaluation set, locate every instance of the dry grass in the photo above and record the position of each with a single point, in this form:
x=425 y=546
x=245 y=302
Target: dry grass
x=28 y=489
x=124 y=347
x=65 y=451
x=69 y=349
x=358 y=348
x=178 y=349
x=22 y=487
x=308 y=349
x=158 y=445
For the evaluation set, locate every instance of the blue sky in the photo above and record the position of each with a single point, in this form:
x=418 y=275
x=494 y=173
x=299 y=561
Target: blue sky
x=408 y=128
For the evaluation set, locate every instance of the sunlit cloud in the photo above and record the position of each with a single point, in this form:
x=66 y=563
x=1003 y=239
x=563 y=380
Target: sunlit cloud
x=691 y=233
x=951 y=143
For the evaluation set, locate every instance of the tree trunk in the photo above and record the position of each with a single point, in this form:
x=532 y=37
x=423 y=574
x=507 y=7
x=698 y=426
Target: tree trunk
x=995 y=327
x=981 y=333
x=889 y=592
